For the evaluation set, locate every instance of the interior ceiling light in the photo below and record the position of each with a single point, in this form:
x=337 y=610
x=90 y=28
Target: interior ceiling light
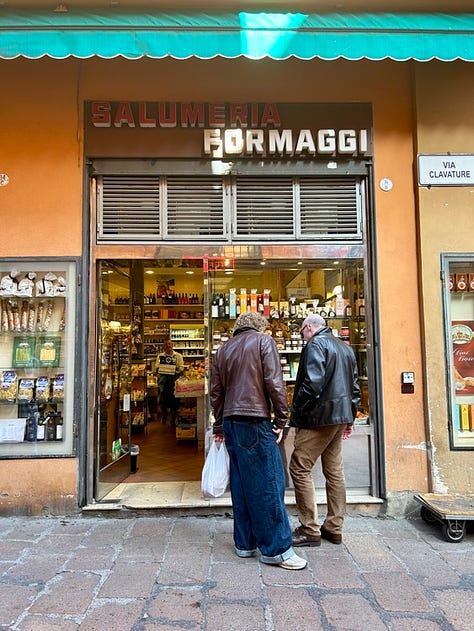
x=61 y=8
x=149 y=271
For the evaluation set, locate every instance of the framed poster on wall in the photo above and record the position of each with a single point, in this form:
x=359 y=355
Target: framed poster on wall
x=459 y=335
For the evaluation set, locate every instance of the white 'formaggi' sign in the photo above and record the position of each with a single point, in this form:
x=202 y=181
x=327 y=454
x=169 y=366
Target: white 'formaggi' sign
x=446 y=170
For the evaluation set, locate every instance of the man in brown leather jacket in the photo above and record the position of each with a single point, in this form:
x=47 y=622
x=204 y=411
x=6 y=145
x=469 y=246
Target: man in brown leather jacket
x=246 y=383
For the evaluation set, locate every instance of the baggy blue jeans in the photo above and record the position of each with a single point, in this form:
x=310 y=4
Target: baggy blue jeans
x=257 y=486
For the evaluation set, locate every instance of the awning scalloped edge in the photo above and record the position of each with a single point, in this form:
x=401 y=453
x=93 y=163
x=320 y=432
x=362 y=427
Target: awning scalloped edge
x=376 y=37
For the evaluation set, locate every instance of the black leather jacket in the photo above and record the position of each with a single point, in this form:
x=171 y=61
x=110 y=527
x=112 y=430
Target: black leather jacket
x=326 y=391
x=247 y=379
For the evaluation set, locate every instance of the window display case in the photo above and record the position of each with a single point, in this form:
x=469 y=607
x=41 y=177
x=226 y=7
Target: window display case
x=459 y=329
x=37 y=349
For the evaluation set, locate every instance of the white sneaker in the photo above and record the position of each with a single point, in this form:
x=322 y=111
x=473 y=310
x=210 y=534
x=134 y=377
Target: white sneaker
x=293 y=563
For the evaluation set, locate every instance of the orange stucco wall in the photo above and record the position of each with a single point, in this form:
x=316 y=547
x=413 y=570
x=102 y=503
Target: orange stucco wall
x=42 y=205
x=38 y=487
x=446 y=218
x=41 y=139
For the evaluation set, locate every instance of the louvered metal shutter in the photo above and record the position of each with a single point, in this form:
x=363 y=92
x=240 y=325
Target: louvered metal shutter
x=128 y=208
x=329 y=208
x=144 y=208
x=264 y=208
x=194 y=208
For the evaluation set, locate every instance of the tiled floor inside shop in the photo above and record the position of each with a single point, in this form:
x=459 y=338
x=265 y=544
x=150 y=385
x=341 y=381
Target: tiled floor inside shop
x=168 y=473
x=163 y=458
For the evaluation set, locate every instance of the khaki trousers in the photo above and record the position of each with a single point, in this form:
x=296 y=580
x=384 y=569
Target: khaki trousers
x=311 y=444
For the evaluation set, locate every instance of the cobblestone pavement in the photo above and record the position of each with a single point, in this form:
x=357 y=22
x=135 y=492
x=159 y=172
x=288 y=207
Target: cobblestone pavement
x=144 y=573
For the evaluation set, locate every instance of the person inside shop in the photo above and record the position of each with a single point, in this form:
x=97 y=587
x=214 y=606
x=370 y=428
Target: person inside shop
x=169 y=366
x=324 y=406
x=246 y=381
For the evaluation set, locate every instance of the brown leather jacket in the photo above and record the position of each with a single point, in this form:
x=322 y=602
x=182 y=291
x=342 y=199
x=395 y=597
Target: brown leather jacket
x=247 y=379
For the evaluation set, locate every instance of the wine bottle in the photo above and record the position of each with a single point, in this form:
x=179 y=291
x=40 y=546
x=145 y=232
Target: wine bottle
x=40 y=430
x=292 y=306
x=50 y=427
x=220 y=306
x=214 y=307
x=31 y=428
x=59 y=427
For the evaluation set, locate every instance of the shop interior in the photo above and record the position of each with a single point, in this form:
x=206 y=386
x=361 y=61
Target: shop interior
x=194 y=303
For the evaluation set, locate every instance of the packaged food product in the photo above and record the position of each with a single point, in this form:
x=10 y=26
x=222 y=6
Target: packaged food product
x=23 y=353
x=47 y=318
x=25 y=285
x=47 y=352
x=43 y=385
x=31 y=317
x=16 y=317
x=8 y=386
x=4 y=316
x=58 y=388
x=24 y=315
x=26 y=389
x=39 y=316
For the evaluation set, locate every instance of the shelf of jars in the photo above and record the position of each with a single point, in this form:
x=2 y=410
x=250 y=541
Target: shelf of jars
x=286 y=331
x=190 y=353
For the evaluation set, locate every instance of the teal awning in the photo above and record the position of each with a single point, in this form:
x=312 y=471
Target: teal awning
x=117 y=33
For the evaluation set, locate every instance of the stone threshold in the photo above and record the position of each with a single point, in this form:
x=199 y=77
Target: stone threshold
x=187 y=495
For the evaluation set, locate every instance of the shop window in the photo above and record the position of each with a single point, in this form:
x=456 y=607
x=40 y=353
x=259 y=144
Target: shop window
x=37 y=357
x=459 y=317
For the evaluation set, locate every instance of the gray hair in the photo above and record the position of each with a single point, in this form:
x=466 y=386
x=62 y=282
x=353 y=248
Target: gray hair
x=251 y=319
x=317 y=321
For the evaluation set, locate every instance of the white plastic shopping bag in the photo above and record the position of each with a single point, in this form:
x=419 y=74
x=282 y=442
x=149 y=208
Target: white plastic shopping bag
x=215 y=473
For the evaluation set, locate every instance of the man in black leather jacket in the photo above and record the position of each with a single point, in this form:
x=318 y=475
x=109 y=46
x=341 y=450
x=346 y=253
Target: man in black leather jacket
x=324 y=407
x=246 y=383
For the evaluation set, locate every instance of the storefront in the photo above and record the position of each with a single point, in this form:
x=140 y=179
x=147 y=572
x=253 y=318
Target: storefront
x=258 y=206
x=295 y=176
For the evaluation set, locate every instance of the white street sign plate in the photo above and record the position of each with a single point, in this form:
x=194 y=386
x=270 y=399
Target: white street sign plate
x=446 y=170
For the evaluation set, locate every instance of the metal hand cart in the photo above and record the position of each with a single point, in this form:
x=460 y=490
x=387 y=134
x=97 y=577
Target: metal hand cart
x=451 y=511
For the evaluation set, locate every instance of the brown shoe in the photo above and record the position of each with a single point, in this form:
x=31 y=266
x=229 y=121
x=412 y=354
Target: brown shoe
x=300 y=539
x=331 y=536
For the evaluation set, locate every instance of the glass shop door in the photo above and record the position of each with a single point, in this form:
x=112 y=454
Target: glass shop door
x=113 y=379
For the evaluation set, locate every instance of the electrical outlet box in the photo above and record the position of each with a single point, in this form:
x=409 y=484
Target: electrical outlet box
x=408 y=378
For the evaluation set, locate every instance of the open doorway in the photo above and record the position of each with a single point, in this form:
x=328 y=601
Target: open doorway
x=143 y=306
